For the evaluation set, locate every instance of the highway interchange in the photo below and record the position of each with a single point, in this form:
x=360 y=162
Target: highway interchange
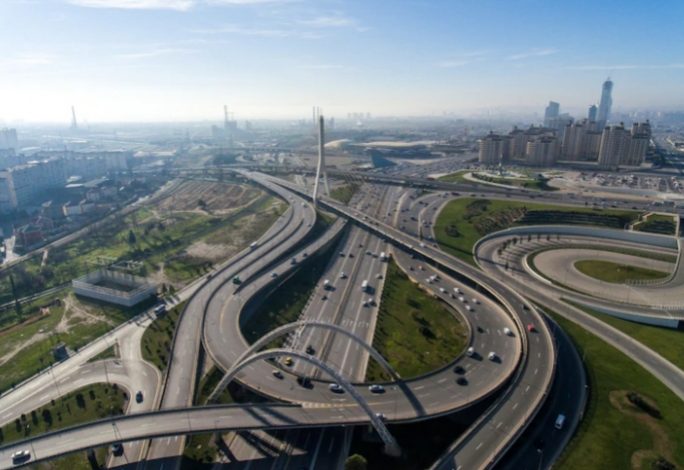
x=304 y=431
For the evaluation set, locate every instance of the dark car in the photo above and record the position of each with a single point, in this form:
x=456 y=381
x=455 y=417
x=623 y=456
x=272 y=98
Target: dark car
x=462 y=381
x=139 y=396
x=310 y=349
x=117 y=449
x=305 y=382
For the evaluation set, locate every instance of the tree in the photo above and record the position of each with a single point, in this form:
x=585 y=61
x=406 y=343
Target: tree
x=356 y=462
x=131 y=237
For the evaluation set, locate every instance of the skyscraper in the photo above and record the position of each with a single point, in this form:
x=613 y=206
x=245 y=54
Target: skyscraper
x=606 y=102
x=593 y=111
x=552 y=111
x=614 y=144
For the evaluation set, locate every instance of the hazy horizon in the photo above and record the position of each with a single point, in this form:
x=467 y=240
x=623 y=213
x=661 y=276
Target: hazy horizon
x=181 y=60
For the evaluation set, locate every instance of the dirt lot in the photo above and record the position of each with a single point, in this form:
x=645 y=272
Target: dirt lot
x=213 y=197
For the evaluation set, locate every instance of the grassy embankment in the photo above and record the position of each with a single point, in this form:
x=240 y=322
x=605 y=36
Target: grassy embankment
x=89 y=403
x=538 y=184
x=156 y=341
x=616 y=273
x=344 y=193
x=415 y=332
x=465 y=220
x=667 y=342
x=26 y=348
x=657 y=223
x=615 y=432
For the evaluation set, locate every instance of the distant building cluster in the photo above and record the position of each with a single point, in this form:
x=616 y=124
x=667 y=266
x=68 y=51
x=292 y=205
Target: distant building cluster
x=563 y=138
x=8 y=139
x=24 y=182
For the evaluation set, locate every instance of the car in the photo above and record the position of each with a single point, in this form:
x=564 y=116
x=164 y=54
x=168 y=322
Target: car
x=21 y=456
x=293 y=261
x=475 y=301
x=117 y=449
x=310 y=349
x=305 y=254
x=288 y=361
x=469 y=308
x=368 y=252
x=507 y=331
x=378 y=276
x=442 y=290
x=343 y=275
x=371 y=302
x=421 y=268
x=459 y=370
x=351 y=255
x=470 y=352
x=277 y=374
x=375 y=388
x=457 y=290
x=492 y=356
x=342 y=254
x=304 y=382
x=274 y=274
x=531 y=328
x=462 y=299
x=336 y=388
x=410 y=268
x=380 y=416
x=462 y=381
x=560 y=421
x=139 y=396
x=428 y=280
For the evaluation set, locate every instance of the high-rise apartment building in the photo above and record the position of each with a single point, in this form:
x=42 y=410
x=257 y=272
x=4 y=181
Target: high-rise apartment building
x=592 y=113
x=491 y=149
x=552 y=111
x=614 y=146
x=573 y=141
x=8 y=139
x=542 y=150
x=606 y=103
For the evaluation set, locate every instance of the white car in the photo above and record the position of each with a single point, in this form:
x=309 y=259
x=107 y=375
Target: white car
x=491 y=356
x=470 y=352
x=457 y=290
x=462 y=299
x=343 y=275
x=442 y=290
x=507 y=331
x=469 y=308
x=475 y=301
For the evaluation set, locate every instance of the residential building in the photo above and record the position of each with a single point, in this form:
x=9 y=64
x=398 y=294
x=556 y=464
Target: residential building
x=551 y=112
x=593 y=113
x=491 y=149
x=614 y=145
x=542 y=150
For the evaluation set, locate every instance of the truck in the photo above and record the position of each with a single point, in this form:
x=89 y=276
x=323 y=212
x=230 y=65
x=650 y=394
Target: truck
x=364 y=286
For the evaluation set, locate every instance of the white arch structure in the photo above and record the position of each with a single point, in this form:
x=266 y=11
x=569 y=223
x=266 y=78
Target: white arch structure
x=391 y=446
x=284 y=329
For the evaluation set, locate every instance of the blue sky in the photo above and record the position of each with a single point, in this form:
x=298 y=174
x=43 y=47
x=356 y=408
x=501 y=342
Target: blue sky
x=129 y=60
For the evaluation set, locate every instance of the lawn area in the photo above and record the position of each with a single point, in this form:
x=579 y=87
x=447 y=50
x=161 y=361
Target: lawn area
x=657 y=223
x=617 y=273
x=667 y=342
x=615 y=433
x=457 y=177
x=415 y=332
x=156 y=341
x=344 y=193
x=111 y=352
x=527 y=183
x=158 y=236
x=463 y=221
x=26 y=348
x=89 y=403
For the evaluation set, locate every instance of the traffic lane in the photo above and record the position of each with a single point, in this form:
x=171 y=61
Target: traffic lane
x=542 y=443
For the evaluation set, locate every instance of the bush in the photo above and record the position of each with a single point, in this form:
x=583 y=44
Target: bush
x=356 y=462
x=638 y=401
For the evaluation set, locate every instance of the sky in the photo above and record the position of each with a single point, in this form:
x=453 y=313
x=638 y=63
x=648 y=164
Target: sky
x=180 y=60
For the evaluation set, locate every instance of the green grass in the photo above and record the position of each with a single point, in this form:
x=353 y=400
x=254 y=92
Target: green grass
x=157 y=239
x=89 y=403
x=657 y=223
x=415 y=332
x=608 y=437
x=207 y=384
x=38 y=355
x=527 y=183
x=111 y=352
x=285 y=304
x=616 y=273
x=465 y=220
x=667 y=342
x=458 y=177
x=344 y=193
x=156 y=341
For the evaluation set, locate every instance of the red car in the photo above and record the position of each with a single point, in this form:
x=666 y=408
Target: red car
x=531 y=328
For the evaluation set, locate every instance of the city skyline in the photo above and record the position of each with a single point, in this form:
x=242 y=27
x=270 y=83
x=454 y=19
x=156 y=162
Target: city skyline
x=181 y=60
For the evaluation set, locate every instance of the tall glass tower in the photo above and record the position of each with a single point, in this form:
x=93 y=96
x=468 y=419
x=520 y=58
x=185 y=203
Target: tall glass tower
x=605 y=103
